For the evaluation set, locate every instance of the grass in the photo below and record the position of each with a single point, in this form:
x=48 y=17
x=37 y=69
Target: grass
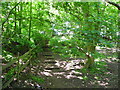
x=37 y=79
x=98 y=68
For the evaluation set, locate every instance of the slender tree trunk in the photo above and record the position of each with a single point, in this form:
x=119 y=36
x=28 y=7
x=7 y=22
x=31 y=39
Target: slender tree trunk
x=15 y=21
x=18 y=30
x=118 y=42
x=7 y=27
x=30 y=20
x=20 y=19
x=90 y=62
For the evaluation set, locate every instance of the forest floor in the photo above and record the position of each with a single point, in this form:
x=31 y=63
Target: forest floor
x=73 y=79
x=59 y=73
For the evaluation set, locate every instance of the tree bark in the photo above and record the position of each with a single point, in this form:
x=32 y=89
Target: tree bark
x=90 y=59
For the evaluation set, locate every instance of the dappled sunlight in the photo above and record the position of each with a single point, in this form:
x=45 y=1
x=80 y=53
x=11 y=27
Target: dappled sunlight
x=46 y=73
x=63 y=68
x=110 y=60
x=102 y=83
x=71 y=73
x=59 y=44
x=58 y=73
x=69 y=65
x=71 y=70
x=59 y=77
x=70 y=76
x=106 y=49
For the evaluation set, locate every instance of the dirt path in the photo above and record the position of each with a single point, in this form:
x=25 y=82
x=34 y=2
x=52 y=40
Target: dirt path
x=63 y=74
x=68 y=79
x=59 y=73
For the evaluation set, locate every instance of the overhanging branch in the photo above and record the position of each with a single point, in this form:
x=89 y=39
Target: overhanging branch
x=114 y=4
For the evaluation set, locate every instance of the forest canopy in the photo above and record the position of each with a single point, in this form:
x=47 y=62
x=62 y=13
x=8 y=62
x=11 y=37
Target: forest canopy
x=75 y=25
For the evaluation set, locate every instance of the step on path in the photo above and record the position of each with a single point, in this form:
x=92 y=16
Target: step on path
x=55 y=66
x=54 y=71
x=49 y=63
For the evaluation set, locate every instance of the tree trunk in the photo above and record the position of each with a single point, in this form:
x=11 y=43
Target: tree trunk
x=30 y=25
x=89 y=62
x=90 y=48
x=90 y=58
x=118 y=43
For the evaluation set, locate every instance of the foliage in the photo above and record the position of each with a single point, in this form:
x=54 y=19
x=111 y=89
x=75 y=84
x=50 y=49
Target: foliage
x=11 y=73
x=37 y=79
x=72 y=29
x=7 y=55
x=99 y=68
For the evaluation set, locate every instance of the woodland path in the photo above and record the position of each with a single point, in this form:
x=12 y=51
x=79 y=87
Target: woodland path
x=58 y=73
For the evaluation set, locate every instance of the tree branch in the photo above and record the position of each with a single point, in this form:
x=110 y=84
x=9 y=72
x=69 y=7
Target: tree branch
x=112 y=3
x=9 y=15
x=87 y=55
